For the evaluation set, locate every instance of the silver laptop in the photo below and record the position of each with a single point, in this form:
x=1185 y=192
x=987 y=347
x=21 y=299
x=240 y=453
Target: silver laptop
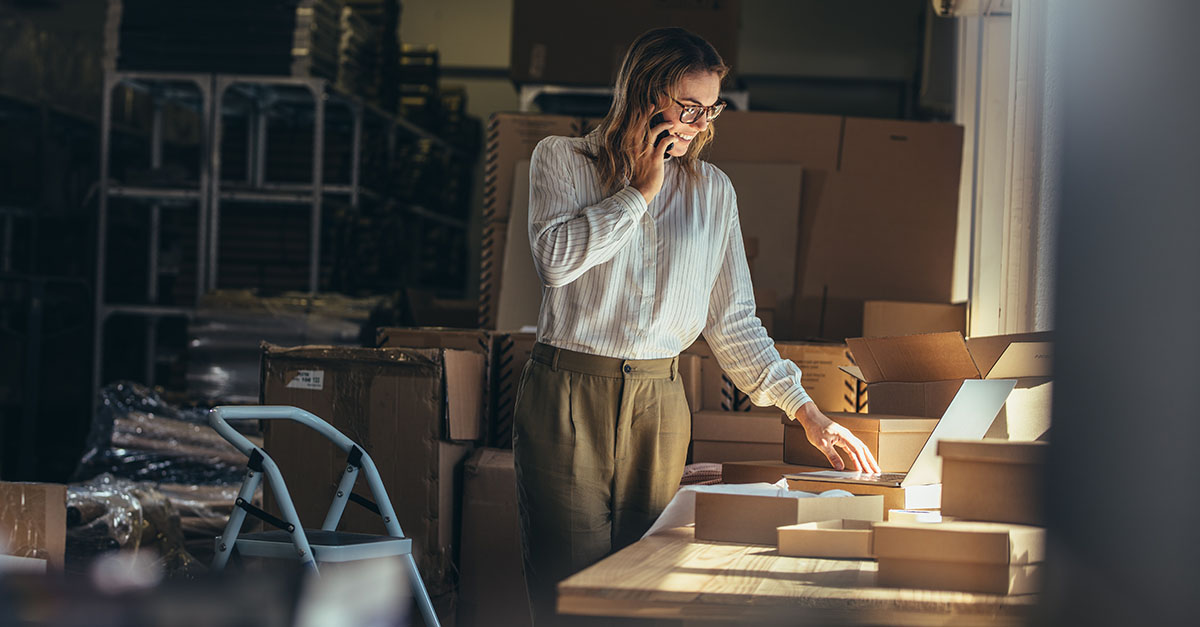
x=968 y=417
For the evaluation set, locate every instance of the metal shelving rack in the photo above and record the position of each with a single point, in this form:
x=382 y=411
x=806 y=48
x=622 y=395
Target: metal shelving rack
x=214 y=194
x=164 y=88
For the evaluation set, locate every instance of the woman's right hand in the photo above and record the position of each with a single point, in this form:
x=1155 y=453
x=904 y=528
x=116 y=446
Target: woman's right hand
x=648 y=165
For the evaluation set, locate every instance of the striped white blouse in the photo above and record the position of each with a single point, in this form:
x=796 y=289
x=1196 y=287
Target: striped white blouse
x=623 y=279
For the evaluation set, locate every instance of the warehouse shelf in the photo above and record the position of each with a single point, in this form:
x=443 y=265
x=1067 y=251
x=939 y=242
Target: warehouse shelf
x=422 y=212
x=154 y=193
x=233 y=108
x=535 y=97
x=271 y=192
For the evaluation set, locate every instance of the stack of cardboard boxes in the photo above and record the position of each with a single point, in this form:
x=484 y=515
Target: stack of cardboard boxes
x=727 y=427
x=994 y=544
x=987 y=538
x=417 y=412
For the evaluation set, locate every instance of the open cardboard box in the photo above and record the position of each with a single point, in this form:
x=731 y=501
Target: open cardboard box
x=993 y=480
x=967 y=418
x=966 y=556
x=755 y=519
x=838 y=539
x=895 y=441
x=919 y=375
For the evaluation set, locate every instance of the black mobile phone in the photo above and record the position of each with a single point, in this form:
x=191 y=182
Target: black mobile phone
x=655 y=121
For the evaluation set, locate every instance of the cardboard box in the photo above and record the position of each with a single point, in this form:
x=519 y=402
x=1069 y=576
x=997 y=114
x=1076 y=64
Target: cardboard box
x=33 y=521
x=915 y=515
x=520 y=295
x=895 y=441
x=726 y=426
x=754 y=519
x=720 y=452
x=993 y=480
x=394 y=403
x=691 y=370
x=966 y=556
x=759 y=471
x=491 y=266
x=836 y=539
x=960 y=576
x=886 y=318
x=918 y=375
x=511 y=138
x=967 y=417
x=885 y=186
x=1026 y=415
x=510 y=353
x=472 y=340
x=491 y=581
x=769 y=207
x=830 y=387
x=584 y=43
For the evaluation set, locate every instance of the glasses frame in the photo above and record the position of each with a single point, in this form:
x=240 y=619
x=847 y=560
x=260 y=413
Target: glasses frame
x=710 y=112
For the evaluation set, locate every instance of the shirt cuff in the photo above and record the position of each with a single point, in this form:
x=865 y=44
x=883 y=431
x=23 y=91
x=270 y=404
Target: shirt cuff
x=793 y=401
x=633 y=201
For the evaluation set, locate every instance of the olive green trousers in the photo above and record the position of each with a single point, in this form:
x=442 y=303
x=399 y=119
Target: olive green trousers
x=599 y=445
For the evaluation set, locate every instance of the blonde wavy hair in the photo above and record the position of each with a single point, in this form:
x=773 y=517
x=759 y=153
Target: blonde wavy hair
x=653 y=66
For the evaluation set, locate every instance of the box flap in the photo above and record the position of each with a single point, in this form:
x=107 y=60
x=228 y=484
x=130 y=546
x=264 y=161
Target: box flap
x=855 y=372
x=913 y=358
x=996 y=451
x=1023 y=360
x=987 y=350
x=960 y=541
x=968 y=418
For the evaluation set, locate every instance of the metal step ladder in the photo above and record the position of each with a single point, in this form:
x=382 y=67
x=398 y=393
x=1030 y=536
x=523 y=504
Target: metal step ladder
x=292 y=540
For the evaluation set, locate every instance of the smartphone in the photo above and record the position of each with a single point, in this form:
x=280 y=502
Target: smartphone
x=655 y=121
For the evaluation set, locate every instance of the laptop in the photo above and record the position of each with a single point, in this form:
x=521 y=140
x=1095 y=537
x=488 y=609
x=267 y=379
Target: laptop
x=968 y=417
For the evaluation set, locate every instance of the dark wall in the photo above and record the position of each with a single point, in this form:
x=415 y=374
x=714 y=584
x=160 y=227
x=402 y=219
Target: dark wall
x=1122 y=483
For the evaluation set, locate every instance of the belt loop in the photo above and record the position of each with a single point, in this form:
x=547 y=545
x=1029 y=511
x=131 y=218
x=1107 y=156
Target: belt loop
x=554 y=360
x=675 y=367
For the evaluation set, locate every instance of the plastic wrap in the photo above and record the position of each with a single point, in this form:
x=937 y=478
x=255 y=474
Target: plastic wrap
x=108 y=513
x=136 y=435
x=225 y=333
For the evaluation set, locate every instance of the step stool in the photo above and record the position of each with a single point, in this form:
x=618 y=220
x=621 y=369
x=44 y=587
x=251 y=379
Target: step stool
x=292 y=540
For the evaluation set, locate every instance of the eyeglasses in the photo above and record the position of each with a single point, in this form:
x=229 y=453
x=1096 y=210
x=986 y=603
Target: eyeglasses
x=691 y=113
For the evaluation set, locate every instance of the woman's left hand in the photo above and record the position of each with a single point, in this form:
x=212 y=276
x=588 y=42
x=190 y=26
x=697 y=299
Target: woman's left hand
x=828 y=436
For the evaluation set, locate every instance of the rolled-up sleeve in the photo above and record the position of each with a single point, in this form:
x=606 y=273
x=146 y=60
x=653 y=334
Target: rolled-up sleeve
x=566 y=238
x=738 y=340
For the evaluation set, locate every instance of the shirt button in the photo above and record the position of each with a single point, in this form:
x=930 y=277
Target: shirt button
x=628 y=368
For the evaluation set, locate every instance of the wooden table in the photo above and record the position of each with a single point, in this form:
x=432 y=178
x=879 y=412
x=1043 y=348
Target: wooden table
x=671 y=575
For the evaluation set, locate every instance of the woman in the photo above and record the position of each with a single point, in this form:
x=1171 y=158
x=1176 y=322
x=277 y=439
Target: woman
x=639 y=249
